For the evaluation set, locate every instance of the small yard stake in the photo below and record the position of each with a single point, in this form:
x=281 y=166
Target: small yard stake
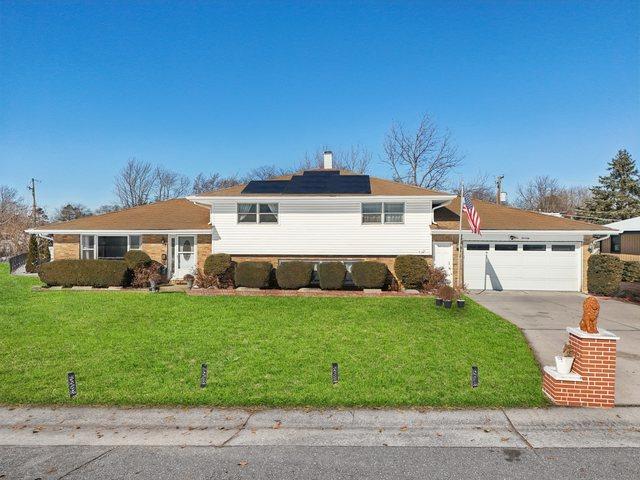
x=71 y=383
x=203 y=376
x=474 y=376
x=334 y=373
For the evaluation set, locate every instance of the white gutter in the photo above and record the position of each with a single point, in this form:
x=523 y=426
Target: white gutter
x=576 y=232
x=116 y=232
x=196 y=199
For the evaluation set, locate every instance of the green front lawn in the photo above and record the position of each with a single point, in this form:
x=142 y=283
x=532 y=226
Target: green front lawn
x=141 y=349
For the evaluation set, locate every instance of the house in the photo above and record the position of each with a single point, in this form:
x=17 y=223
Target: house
x=625 y=244
x=329 y=214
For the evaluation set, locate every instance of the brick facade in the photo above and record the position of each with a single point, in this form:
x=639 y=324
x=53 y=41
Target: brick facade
x=204 y=249
x=592 y=380
x=154 y=247
x=66 y=247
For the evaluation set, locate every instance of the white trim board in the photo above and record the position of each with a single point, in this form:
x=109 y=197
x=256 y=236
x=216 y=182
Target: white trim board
x=118 y=232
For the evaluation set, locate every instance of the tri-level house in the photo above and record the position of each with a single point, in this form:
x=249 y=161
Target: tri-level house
x=329 y=214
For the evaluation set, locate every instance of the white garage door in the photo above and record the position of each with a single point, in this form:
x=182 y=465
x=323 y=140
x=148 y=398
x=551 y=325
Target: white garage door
x=522 y=265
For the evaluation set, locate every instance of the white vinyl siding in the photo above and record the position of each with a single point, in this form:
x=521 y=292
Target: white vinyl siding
x=324 y=227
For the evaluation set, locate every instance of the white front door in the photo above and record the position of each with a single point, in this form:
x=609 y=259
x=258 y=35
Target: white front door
x=490 y=265
x=443 y=258
x=185 y=255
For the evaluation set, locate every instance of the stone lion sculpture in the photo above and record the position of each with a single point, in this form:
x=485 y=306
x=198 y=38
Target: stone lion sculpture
x=590 y=311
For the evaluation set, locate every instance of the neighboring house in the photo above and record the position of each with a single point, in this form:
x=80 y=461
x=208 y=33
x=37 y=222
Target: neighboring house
x=626 y=243
x=328 y=214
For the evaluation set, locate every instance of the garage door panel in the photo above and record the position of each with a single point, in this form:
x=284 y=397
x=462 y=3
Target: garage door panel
x=523 y=269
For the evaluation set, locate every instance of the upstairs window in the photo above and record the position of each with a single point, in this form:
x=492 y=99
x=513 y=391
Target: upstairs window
x=382 y=212
x=257 y=213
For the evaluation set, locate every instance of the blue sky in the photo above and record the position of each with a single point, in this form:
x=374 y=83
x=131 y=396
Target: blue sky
x=527 y=88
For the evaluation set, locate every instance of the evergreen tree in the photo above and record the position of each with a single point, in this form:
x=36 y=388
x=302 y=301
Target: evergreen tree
x=32 y=255
x=617 y=195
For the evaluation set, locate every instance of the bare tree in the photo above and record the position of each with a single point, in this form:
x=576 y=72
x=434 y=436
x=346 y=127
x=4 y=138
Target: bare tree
x=168 y=184
x=265 y=172
x=14 y=219
x=106 y=208
x=545 y=194
x=481 y=187
x=424 y=157
x=134 y=184
x=356 y=159
x=207 y=183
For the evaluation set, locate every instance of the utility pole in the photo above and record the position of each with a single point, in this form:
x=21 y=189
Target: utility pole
x=499 y=189
x=34 y=208
x=34 y=213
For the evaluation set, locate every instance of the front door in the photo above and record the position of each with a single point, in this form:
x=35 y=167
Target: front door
x=443 y=258
x=185 y=255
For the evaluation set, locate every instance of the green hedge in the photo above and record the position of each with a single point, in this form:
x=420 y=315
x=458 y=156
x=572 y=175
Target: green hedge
x=604 y=274
x=369 y=274
x=631 y=272
x=411 y=270
x=217 y=264
x=136 y=258
x=90 y=273
x=253 y=274
x=294 y=275
x=331 y=275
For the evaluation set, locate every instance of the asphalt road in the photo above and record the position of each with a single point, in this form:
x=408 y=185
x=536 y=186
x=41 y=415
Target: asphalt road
x=284 y=463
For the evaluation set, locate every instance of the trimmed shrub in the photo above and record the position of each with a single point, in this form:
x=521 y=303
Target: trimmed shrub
x=411 y=270
x=136 y=258
x=145 y=272
x=253 y=274
x=294 y=275
x=217 y=264
x=604 y=274
x=369 y=274
x=331 y=275
x=631 y=272
x=89 y=273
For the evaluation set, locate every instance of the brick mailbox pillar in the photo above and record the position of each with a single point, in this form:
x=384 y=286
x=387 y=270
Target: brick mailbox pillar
x=592 y=380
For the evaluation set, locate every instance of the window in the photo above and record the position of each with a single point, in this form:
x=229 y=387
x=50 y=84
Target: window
x=373 y=212
x=107 y=247
x=87 y=247
x=257 y=213
x=268 y=212
x=563 y=248
x=477 y=246
x=394 y=213
x=507 y=247
x=135 y=242
x=534 y=247
x=112 y=247
x=615 y=244
x=247 y=213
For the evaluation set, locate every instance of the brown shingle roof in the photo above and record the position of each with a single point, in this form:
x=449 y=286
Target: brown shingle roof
x=502 y=217
x=176 y=214
x=379 y=186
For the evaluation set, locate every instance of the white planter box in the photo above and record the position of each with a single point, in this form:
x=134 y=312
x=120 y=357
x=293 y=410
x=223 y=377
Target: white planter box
x=563 y=364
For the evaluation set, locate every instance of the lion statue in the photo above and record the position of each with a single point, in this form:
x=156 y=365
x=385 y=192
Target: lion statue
x=590 y=311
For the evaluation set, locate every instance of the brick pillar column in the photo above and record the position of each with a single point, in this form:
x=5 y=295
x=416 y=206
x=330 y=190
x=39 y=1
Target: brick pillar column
x=592 y=380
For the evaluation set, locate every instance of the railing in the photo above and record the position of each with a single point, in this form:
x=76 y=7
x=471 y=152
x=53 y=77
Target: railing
x=17 y=261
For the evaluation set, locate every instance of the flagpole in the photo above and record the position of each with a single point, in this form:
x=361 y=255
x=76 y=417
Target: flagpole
x=460 y=235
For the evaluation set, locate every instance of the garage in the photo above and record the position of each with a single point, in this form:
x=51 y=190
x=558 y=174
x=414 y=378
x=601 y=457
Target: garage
x=530 y=265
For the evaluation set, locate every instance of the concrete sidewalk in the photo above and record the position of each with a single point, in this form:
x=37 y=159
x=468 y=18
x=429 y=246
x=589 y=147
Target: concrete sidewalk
x=510 y=428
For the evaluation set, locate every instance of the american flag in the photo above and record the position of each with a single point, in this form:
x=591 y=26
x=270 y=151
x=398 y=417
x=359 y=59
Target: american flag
x=472 y=214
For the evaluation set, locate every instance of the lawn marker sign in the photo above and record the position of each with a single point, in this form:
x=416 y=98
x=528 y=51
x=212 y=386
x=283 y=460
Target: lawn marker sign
x=474 y=376
x=71 y=383
x=334 y=373
x=203 y=376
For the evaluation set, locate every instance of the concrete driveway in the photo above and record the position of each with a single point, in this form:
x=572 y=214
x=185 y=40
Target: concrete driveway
x=543 y=317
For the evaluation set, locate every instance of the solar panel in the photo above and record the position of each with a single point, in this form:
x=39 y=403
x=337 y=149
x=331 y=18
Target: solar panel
x=328 y=184
x=312 y=183
x=265 y=186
